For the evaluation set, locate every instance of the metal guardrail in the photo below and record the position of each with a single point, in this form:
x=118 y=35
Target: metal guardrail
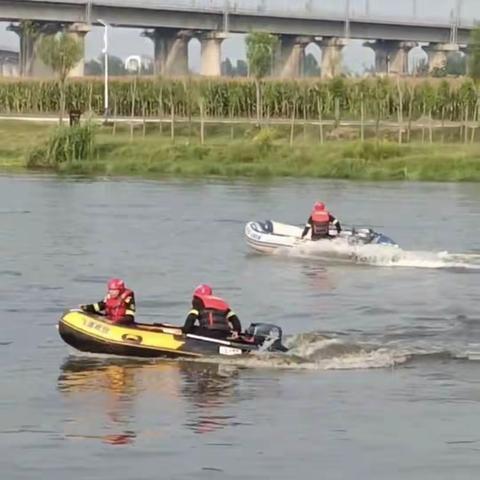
x=340 y=10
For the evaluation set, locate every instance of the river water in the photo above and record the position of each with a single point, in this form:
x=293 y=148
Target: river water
x=383 y=379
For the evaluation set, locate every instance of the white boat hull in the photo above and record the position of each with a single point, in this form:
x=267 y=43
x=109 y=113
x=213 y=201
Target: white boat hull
x=283 y=237
x=271 y=237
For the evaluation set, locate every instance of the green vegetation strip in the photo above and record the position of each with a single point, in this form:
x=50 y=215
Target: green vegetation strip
x=255 y=155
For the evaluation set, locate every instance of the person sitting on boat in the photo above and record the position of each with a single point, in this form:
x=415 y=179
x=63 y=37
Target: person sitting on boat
x=211 y=316
x=319 y=222
x=118 y=306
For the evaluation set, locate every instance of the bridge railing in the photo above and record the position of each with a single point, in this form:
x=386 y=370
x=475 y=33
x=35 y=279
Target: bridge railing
x=409 y=12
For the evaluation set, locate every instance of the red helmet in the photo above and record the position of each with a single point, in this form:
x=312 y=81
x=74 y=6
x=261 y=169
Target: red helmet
x=116 y=284
x=319 y=207
x=203 y=290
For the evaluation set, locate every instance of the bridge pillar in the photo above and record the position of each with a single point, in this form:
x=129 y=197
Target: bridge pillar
x=211 y=54
x=31 y=34
x=332 y=56
x=291 y=56
x=170 y=50
x=391 y=57
x=398 y=64
x=438 y=54
x=78 y=31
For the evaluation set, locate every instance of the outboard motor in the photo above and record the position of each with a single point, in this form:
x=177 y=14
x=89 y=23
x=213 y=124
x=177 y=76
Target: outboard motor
x=366 y=236
x=382 y=239
x=268 y=335
x=361 y=236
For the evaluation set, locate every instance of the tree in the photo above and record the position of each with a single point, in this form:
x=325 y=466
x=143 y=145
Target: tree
x=242 y=68
x=311 y=67
x=93 y=68
x=227 y=68
x=456 y=64
x=474 y=61
x=474 y=50
x=29 y=32
x=61 y=53
x=260 y=53
x=116 y=66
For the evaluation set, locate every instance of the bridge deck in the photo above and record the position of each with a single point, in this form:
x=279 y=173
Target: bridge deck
x=290 y=17
x=307 y=9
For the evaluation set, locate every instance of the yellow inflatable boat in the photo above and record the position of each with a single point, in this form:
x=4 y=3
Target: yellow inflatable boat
x=93 y=333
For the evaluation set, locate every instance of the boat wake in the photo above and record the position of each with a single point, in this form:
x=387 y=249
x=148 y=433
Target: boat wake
x=314 y=351
x=382 y=255
x=318 y=352
x=427 y=340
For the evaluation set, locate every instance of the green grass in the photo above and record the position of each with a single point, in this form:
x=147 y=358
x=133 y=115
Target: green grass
x=65 y=145
x=248 y=155
x=16 y=140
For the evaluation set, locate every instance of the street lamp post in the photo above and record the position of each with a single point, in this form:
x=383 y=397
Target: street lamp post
x=105 y=52
x=347 y=19
x=459 y=12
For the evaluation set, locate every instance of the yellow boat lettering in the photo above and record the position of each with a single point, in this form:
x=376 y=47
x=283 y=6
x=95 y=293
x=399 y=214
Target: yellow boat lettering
x=92 y=324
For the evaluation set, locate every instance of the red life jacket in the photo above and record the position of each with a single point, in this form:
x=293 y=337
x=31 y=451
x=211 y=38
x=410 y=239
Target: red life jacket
x=213 y=315
x=320 y=223
x=116 y=308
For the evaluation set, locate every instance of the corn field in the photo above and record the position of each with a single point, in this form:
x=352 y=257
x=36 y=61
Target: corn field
x=373 y=98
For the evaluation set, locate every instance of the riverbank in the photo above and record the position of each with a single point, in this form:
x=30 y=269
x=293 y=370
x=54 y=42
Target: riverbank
x=147 y=152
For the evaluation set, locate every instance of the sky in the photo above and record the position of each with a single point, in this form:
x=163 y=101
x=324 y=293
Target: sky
x=125 y=42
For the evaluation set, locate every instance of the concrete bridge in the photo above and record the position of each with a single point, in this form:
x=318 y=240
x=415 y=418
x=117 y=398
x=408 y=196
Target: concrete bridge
x=170 y=24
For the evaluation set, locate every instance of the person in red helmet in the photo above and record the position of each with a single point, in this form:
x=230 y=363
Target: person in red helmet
x=118 y=305
x=211 y=316
x=319 y=222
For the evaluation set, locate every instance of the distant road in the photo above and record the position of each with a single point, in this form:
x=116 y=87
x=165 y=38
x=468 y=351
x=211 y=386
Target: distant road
x=422 y=123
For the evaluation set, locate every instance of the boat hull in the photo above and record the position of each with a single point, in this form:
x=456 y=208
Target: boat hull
x=92 y=333
x=272 y=237
x=269 y=237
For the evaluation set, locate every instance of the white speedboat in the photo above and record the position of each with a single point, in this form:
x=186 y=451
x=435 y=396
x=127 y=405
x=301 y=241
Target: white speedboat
x=270 y=236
